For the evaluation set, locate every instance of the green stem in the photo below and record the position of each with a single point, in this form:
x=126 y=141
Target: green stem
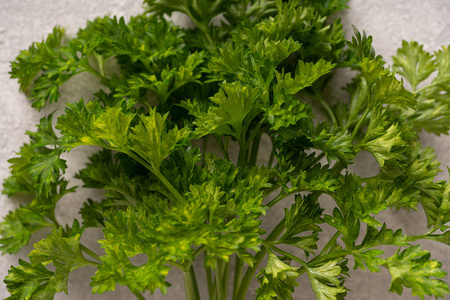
x=204 y=148
x=237 y=275
x=225 y=279
x=255 y=147
x=278 y=198
x=92 y=263
x=242 y=158
x=203 y=28
x=318 y=158
x=329 y=256
x=287 y=254
x=330 y=243
x=272 y=156
x=218 y=281
x=210 y=283
x=328 y=109
x=138 y=295
x=415 y=92
x=250 y=273
x=359 y=124
x=158 y=174
x=223 y=146
x=176 y=265
x=194 y=282
x=271 y=189
x=90 y=252
x=170 y=187
x=189 y=284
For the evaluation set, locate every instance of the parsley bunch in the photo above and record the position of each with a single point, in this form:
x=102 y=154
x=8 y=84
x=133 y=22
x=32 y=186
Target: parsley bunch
x=256 y=76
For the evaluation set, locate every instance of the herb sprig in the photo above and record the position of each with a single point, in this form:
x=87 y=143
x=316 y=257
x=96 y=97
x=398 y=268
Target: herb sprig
x=250 y=78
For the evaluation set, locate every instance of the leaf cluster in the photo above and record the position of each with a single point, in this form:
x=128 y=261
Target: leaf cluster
x=170 y=198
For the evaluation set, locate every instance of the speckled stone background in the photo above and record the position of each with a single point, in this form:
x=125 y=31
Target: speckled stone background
x=25 y=21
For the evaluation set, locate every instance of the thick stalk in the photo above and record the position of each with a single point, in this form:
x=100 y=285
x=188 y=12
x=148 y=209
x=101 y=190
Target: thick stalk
x=225 y=278
x=237 y=275
x=210 y=283
x=138 y=295
x=243 y=151
x=190 y=284
x=254 y=150
x=194 y=282
x=218 y=281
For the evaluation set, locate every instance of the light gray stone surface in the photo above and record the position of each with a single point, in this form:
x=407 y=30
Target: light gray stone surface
x=25 y=21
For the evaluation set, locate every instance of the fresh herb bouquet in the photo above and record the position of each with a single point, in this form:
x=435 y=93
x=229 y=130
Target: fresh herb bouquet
x=255 y=76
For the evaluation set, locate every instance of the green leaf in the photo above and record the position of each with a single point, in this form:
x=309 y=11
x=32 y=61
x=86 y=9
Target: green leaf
x=277 y=279
x=63 y=252
x=413 y=268
x=381 y=140
x=38 y=167
x=30 y=281
x=327 y=7
x=33 y=280
x=413 y=63
x=254 y=64
x=361 y=47
x=324 y=280
x=151 y=140
x=388 y=90
x=369 y=259
x=443 y=66
x=41 y=56
x=77 y=123
x=125 y=237
x=112 y=126
x=303 y=216
x=237 y=106
x=286 y=110
x=18 y=226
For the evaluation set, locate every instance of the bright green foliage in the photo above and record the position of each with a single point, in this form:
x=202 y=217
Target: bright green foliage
x=261 y=74
x=286 y=109
x=303 y=216
x=18 y=226
x=123 y=239
x=153 y=141
x=30 y=281
x=33 y=280
x=47 y=56
x=237 y=106
x=381 y=139
x=39 y=165
x=413 y=63
x=324 y=280
x=277 y=279
x=431 y=111
x=413 y=268
x=253 y=64
x=112 y=126
x=63 y=252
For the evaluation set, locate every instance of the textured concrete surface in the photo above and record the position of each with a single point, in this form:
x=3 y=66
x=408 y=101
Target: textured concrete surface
x=25 y=21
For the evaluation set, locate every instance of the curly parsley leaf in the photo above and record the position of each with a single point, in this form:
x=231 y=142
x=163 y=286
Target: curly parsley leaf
x=413 y=268
x=324 y=280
